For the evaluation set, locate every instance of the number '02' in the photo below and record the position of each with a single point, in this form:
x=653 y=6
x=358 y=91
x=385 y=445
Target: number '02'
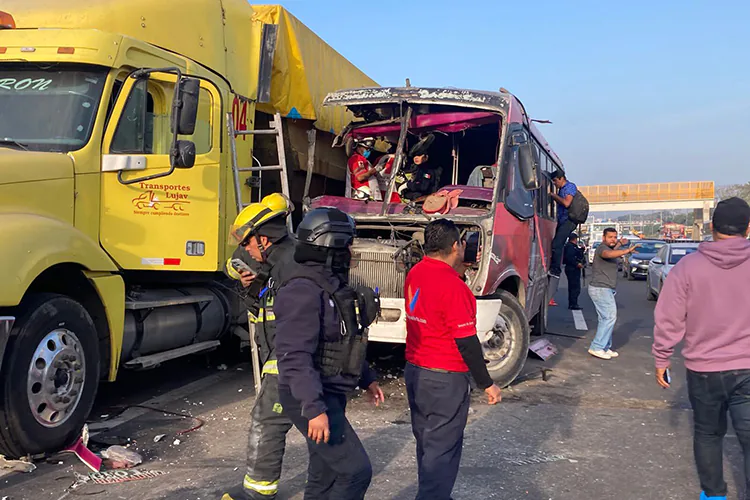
x=25 y=84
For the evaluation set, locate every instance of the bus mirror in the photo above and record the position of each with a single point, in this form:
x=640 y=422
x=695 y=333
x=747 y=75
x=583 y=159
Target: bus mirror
x=188 y=90
x=183 y=154
x=528 y=162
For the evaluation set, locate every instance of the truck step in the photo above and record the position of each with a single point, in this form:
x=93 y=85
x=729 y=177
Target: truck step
x=134 y=305
x=154 y=360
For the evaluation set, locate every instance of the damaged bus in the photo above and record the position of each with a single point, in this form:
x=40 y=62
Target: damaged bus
x=491 y=162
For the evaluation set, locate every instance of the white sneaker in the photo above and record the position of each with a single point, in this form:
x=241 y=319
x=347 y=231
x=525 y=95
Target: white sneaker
x=599 y=353
x=612 y=354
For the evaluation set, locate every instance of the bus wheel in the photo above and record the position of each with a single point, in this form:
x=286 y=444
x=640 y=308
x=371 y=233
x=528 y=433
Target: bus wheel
x=506 y=350
x=49 y=376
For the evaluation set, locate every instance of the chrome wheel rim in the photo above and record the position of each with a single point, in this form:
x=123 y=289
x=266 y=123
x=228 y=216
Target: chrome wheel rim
x=498 y=346
x=56 y=378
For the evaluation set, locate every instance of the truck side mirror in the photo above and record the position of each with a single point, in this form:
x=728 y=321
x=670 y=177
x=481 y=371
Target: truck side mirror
x=528 y=163
x=188 y=92
x=183 y=154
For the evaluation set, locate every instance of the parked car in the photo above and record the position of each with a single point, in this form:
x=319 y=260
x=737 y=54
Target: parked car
x=659 y=267
x=635 y=265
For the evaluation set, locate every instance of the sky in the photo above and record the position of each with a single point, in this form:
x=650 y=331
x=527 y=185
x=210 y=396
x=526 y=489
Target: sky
x=637 y=91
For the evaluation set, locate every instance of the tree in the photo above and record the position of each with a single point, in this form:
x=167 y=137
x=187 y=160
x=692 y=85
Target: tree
x=738 y=190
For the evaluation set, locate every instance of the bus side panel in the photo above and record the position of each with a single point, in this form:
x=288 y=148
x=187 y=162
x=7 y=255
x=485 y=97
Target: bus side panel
x=511 y=248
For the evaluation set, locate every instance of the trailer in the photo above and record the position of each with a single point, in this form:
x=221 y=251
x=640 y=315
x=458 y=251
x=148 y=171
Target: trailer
x=132 y=134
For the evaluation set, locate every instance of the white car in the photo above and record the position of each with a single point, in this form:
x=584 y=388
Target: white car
x=659 y=267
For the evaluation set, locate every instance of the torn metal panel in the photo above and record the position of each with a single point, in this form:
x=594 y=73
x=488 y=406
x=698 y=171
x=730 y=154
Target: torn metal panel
x=495 y=101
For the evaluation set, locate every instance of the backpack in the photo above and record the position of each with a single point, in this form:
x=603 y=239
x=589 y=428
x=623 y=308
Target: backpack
x=578 y=211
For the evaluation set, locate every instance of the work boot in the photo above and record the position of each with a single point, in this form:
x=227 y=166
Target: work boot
x=705 y=497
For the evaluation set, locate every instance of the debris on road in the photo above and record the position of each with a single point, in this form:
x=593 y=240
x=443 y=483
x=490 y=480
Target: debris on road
x=88 y=457
x=221 y=367
x=543 y=348
x=119 y=476
x=16 y=465
x=159 y=437
x=120 y=457
x=176 y=442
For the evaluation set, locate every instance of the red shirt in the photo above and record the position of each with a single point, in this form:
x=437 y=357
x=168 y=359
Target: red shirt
x=358 y=165
x=439 y=309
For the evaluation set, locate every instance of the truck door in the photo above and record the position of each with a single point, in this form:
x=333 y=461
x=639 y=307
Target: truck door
x=169 y=222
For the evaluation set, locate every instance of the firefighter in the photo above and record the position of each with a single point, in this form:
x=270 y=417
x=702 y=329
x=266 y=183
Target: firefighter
x=321 y=342
x=260 y=230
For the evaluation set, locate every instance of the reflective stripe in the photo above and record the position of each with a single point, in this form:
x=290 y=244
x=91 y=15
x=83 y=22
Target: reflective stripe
x=262 y=487
x=271 y=367
x=270 y=317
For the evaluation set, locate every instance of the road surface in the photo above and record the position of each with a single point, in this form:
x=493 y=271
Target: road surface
x=594 y=430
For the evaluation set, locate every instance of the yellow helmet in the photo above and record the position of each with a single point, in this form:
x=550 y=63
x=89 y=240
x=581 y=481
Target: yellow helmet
x=255 y=215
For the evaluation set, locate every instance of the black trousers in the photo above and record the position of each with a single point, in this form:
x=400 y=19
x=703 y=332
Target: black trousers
x=713 y=395
x=439 y=404
x=339 y=469
x=574 y=285
x=558 y=245
x=266 y=442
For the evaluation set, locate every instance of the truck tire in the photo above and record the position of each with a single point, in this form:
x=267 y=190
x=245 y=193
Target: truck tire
x=539 y=323
x=49 y=376
x=506 y=351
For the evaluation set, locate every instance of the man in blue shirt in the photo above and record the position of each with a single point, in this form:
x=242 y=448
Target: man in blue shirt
x=564 y=197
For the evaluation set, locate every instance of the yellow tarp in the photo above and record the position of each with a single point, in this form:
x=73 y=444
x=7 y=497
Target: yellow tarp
x=305 y=69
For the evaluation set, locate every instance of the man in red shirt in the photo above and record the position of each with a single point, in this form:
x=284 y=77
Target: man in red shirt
x=362 y=175
x=441 y=349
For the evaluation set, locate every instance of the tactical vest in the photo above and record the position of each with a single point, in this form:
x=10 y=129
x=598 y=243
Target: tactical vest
x=357 y=309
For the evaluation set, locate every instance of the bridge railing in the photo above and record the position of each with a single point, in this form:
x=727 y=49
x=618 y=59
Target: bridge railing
x=662 y=191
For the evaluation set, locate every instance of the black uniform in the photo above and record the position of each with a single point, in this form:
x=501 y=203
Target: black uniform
x=416 y=181
x=572 y=256
x=306 y=318
x=268 y=425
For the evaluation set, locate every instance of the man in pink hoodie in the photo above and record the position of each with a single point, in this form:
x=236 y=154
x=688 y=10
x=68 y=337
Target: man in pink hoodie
x=706 y=303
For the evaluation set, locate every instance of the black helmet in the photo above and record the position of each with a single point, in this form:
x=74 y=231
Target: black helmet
x=327 y=228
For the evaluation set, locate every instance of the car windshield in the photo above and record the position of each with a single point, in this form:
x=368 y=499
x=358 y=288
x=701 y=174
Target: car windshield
x=49 y=108
x=649 y=246
x=679 y=253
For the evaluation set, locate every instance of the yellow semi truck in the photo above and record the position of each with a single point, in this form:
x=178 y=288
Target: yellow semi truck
x=119 y=174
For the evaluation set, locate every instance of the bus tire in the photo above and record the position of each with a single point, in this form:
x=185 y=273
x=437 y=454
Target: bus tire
x=49 y=376
x=506 y=350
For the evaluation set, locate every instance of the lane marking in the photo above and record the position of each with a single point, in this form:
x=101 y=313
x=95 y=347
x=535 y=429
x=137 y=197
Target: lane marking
x=580 y=320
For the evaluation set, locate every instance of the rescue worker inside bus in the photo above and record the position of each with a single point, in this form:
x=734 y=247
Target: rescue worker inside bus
x=419 y=178
x=362 y=178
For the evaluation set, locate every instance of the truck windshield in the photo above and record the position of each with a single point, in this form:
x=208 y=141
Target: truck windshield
x=50 y=107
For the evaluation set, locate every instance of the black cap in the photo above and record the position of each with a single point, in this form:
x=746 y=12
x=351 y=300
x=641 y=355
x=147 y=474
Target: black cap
x=557 y=174
x=573 y=236
x=732 y=217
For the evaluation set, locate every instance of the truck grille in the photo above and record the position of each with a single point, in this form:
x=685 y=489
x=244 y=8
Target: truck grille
x=377 y=270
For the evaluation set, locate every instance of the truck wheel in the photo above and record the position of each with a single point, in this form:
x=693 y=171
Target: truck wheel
x=49 y=376
x=506 y=350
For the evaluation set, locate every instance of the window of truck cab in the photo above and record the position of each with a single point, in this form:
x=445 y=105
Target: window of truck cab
x=49 y=107
x=144 y=126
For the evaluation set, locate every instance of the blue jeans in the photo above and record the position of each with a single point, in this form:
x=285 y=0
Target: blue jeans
x=606 y=311
x=712 y=396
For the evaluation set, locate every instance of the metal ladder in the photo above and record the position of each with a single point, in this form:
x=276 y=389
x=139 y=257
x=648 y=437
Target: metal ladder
x=275 y=130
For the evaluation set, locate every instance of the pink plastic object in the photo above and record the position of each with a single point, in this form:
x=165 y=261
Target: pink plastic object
x=85 y=455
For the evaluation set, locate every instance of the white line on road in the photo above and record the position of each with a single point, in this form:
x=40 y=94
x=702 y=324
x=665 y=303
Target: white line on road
x=580 y=320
